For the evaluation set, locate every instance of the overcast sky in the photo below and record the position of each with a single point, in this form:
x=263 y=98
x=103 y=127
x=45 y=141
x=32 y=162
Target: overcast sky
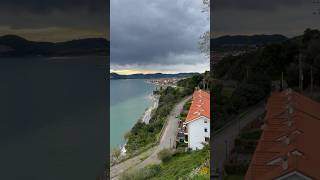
x=157 y=36
x=54 y=20
x=287 y=17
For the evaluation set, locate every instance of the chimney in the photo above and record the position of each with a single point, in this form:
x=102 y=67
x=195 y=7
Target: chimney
x=284 y=163
x=290 y=122
x=289 y=91
x=290 y=108
x=287 y=140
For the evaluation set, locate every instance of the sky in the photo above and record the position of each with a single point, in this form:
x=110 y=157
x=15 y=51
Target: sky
x=55 y=20
x=157 y=36
x=287 y=17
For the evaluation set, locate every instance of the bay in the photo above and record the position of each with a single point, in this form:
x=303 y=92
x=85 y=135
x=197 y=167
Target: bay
x=53 y=118
x=129 y=99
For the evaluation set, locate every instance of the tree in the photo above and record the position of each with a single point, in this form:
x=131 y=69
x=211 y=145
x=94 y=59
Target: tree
x=116 y=153
x=204 y=43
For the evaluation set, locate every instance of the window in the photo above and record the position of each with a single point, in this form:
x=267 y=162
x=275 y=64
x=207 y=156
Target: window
x=206 y=139
x=205 y=130
x=205 y=121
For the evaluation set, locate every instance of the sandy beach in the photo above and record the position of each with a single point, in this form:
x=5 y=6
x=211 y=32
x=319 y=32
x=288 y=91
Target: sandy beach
x=147 y=115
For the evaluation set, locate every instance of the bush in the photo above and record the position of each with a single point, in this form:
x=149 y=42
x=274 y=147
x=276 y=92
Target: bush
x=142 y=174
x=245 y=146
x=252 y=134
x=165 y=155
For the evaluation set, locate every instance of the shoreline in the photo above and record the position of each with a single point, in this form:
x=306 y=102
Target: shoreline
x=154 y=105
x=145 y=118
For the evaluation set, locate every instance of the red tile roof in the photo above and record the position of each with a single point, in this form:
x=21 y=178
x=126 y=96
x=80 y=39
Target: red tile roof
x=200 y=106
x=288 y=142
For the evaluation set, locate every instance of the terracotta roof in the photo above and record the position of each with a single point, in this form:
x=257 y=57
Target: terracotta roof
x=288 y=142
x=200 y=106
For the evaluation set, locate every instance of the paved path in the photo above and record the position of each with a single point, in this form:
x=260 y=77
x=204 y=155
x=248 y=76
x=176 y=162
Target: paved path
x=222 y=143
x=168 y=140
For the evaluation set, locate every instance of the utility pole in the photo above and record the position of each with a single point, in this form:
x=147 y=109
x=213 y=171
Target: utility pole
x=226 y=143
x=300 y=73
x=311 y=80
x=247 y=68
x=281 y=81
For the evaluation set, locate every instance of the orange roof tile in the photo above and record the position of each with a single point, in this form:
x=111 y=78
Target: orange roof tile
x=292 y=124
x=200 y=106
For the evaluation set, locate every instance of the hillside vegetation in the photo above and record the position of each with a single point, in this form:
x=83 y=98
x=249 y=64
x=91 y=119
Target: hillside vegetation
x=253 y=72
x=15 y=46
x=193 y=165
x=144 y=135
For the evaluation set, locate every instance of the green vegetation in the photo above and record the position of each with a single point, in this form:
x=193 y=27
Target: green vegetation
x=179 y=165
x=165 y=155
x=182 y=164
x=184 y=113
x=142 y=174
x=254 y=72
x=245 y=144
x=115 y=155
x=144 y=135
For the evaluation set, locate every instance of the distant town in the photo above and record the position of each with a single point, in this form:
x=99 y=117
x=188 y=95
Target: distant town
x=165 y=82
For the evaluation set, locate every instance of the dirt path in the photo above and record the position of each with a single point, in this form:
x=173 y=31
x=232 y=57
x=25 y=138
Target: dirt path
x=168 y=140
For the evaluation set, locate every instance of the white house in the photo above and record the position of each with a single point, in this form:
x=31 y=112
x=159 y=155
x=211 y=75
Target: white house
x=197 y=124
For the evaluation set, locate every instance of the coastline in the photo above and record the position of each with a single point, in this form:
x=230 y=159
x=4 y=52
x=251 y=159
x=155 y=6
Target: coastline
x=145 y=118
x=154 y=105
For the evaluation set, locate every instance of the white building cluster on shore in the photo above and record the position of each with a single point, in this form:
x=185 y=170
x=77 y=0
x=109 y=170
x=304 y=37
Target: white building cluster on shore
x=165 y=82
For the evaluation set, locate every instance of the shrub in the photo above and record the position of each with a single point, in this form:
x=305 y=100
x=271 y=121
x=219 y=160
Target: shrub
x=165 y=155
x=252 y=134
x=142 y=174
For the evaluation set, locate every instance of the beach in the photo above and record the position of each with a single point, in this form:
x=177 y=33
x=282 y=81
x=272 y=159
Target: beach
x=154 y=104
x=146 y=116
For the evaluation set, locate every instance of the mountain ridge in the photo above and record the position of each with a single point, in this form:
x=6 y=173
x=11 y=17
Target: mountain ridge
x=247 y=40
x=150 y=76
x=13 y=45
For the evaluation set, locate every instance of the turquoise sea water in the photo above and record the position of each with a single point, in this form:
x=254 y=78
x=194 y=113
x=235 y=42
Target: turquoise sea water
x=53 y=118
x=128 y=99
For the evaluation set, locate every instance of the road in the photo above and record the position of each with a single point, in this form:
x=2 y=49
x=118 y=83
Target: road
x=223 y=142
x=167 y=140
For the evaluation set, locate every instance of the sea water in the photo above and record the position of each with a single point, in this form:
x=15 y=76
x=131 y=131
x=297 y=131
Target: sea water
x=53 y=118
x=129 y=99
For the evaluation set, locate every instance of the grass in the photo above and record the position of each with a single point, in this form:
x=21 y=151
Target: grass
x=182 y=164
x=144 y=156
x=179 y=166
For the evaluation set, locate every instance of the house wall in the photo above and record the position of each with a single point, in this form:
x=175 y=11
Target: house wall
x=197 y=134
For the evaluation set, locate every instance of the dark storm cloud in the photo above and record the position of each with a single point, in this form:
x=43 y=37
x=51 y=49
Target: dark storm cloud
x=46 y=6
x=257 y=5
x=89 y=15
x=287 y=17
x=156 y=32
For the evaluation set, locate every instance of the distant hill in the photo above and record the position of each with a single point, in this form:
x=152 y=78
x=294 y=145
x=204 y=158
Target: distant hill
x=242 y=40
x=150 y=76
x=12 y=45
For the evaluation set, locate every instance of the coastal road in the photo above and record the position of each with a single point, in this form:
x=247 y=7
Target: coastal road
x=167 y=140
x=222 y=142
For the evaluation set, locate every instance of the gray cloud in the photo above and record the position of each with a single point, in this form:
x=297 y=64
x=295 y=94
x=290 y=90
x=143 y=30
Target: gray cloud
x=89 y=15
x=47 y=6
x=148 y=32
x=288 y=17
x=257 y=5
